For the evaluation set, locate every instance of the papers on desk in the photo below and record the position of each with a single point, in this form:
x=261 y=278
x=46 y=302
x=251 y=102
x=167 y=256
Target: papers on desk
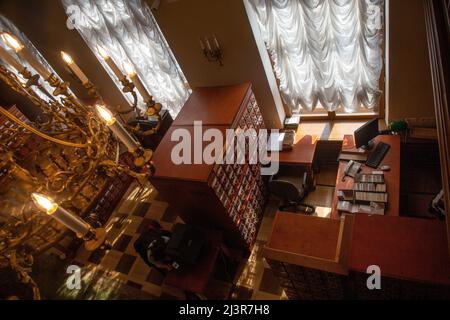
x=281 y=141
x=372 y=208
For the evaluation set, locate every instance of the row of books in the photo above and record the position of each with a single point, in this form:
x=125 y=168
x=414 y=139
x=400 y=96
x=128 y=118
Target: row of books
x=362 y=197
x=368 y=195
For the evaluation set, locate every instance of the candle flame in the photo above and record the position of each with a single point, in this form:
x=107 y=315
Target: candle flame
x=105 y=114
x=44 y=202
x=68 y=59
x=129 y=69
x=102 y=52
x=12 y=42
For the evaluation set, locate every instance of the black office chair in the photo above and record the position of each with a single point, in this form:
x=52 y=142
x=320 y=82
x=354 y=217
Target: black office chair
x=292 y=190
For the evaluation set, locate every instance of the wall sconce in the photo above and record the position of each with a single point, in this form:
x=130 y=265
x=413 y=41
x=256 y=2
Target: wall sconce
x=212 y=54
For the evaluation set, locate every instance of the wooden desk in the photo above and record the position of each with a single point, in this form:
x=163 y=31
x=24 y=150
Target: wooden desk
x=302 y=155
x=404 y=248
x=412 y=254
x=308 y=241
x=303 y=152
x=392 y=177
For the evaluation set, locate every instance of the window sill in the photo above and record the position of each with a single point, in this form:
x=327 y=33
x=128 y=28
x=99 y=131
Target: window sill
x=332 y=130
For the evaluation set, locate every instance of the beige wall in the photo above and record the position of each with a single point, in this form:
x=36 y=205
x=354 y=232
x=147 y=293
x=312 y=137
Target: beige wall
x=410 y=88
x=183 y=22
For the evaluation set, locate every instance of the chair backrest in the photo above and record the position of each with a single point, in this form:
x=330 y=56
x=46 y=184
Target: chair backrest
x=284 y=189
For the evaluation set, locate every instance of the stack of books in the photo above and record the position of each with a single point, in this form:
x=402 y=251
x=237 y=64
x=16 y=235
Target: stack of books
x=292 y=122
x=370 y=178
x=373 y=208
x=368 y=195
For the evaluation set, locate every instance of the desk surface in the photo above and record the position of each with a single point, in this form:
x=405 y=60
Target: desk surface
x=305 y=235
x=302 y=153
x=392 y=177
x=405 y=248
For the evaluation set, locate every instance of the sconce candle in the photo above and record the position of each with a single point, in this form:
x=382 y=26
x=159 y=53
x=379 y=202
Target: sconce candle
x=110 y=62
x=216 y=42
x=208 y=45
x=202 y=45
x=136 y=81
x=115 y=126
x=74 y=67
x=27 y=56
x=6 y=57
x=71 y=221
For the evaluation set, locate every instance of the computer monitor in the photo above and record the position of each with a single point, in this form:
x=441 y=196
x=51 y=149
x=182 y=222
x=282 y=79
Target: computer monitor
x=363 y=136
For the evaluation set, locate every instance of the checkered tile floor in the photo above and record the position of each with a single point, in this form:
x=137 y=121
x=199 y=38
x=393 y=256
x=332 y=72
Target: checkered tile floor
x=120 y=273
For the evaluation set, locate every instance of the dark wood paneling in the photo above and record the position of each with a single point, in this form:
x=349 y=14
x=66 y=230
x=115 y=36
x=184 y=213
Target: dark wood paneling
x=438 y=35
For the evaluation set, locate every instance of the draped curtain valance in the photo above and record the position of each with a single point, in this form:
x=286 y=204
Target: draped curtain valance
x=128 y=31
x=326 y=51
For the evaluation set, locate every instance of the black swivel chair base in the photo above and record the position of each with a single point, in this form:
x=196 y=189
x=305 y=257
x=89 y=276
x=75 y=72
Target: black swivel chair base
x=298 y=208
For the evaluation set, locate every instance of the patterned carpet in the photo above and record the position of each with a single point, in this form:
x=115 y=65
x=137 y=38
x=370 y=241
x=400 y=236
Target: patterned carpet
x=120 y=274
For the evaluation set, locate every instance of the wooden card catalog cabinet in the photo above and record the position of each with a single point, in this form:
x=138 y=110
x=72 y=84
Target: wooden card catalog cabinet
x=229 y=197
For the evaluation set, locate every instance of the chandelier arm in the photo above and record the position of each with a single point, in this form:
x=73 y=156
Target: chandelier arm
x=37 y=132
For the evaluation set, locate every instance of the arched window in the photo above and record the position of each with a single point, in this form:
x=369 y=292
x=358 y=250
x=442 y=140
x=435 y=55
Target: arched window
x=127 y=30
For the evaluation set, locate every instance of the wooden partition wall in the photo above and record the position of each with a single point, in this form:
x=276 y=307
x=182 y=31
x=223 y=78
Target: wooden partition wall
x=438 y=35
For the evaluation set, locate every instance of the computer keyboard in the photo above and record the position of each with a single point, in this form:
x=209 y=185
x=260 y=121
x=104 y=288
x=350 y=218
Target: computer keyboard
x=378 y=154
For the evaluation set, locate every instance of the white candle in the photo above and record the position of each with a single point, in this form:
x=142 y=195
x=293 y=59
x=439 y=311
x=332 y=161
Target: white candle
x=202 y=45
x=71 y=221
x=117 y=128
x=110 y=62
x=216 y=42
x=24 y=54
x=136 y=81
x=208 y=45
x=74 y=67
x=6 y=57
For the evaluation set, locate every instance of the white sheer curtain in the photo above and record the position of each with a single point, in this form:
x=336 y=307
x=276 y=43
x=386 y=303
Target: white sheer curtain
x=128 y=30
x=326 y=51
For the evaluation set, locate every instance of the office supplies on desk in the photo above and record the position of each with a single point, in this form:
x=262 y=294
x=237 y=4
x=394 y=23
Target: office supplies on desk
x=366 y=197
x=351 y=169
x=372 y=208
x=346 y=195
x=292 y=122
x=378 y=154
x=370 y=178
x=288 y=140
x=281 y=141
x=370 y=187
